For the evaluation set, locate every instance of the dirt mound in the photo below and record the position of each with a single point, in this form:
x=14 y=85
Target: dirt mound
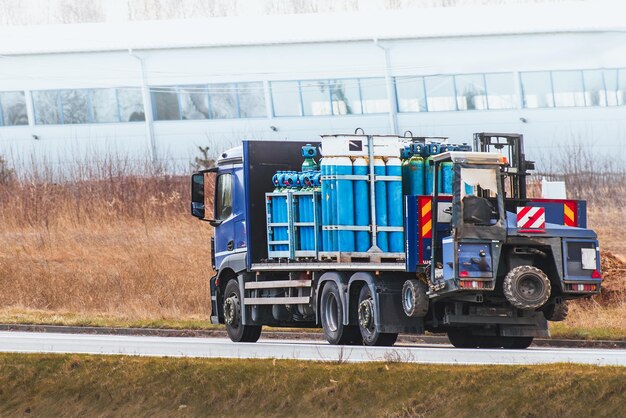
x=614 y=278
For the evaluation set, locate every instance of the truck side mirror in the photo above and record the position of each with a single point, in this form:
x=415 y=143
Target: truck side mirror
x=197 y=195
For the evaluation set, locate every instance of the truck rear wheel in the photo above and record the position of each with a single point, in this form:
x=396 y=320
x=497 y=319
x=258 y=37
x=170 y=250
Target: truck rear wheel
x=462 y=338
x=331 y=314
x=237 y=332
x=517 y=342
x=527 y=287
x=366 y=314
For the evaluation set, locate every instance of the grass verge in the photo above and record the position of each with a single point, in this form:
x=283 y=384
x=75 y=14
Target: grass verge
x=40 y=317
x=72 y=385
x=569 y=332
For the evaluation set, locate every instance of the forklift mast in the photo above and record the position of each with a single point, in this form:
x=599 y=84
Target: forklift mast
x=518 y=167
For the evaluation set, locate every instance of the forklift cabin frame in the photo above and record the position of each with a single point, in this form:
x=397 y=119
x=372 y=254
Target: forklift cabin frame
x=460 y=229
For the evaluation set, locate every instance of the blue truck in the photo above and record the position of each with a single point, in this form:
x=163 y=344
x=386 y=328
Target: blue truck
x=384 y=235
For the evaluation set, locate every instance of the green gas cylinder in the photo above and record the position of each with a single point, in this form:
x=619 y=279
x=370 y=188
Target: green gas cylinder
x=309 y=153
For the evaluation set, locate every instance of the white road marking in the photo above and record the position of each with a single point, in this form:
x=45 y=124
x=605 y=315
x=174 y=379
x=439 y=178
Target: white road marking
x=31 y=342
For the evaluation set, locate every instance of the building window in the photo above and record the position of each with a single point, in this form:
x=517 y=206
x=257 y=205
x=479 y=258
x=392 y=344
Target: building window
x=165 y=103
x=440 y=94
x=104 y=105
x=470 y=92
x=345 y=97
x=500 y=91
x=88 y=106
x=315 y=97
x=130 y=105
x=223 y=101
x=286 y=98
x=410 y=94
x=537 y=89
x=251 y=100
x=595 y=90
x=609 y=84
x=621 y=87
x=194 y=102
x=46 y=104
x=329 y=97
x=13 y=109
x=75 y=106
x=568 y=88
x=374 y=95
x=213 y=101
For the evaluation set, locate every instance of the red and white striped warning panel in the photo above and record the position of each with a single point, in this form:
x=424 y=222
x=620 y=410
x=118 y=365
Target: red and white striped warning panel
x=529 y=217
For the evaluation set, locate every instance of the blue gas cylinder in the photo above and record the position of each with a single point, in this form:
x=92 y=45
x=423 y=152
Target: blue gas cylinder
x=276 y=181
x=280 y=211
x=315 y=181
x=382 y=238
x=333 y=204
x=395 y=204
x=303 y=214
x=345 y=204
x=362 y=204
x=329 y=206
x=317 y=211
x=325 y=190
x=447 y=177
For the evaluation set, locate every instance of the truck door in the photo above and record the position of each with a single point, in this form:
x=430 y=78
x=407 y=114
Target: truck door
x=224 y=216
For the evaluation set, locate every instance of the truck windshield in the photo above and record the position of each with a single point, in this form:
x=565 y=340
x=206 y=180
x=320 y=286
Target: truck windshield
x=480 y=187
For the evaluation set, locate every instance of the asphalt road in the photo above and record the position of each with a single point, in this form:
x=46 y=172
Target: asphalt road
x=31 y=342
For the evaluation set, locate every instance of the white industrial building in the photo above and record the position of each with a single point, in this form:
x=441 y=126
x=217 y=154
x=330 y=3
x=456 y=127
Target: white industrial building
x=554 y=72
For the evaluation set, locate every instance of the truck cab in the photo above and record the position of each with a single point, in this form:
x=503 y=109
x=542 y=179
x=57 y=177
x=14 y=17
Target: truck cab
x=224 y=209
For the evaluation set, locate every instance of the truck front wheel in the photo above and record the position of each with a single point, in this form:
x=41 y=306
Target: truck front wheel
x=233 y=303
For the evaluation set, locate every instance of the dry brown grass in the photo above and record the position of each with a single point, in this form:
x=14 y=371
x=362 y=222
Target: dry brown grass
x=130 y=269
x=111 y=241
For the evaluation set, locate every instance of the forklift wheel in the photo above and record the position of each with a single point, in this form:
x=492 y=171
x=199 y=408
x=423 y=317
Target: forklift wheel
x=527 y=287
x=556 y=312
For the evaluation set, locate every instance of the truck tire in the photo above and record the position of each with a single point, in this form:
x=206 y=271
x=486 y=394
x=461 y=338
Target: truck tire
x=366 y=314
x=237 y=332
x=331 y=315
x=519 y=343
x=462 y=338
x=527 y=287
x=414 y=299
x=556 y=312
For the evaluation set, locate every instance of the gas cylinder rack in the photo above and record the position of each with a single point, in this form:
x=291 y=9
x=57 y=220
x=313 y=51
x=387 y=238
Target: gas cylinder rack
x=351 y=207
x=362 y=199
x=293 y=211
